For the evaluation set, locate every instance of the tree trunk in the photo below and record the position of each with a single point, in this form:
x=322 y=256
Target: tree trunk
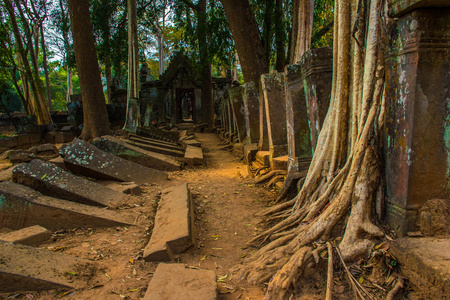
x=69 y=84
x=47 y=79
x=301 y=29
x=133 y=80
x=246 y=38
x=344 y=174
x=279 y=37
x=94 y=107
x=39 y=106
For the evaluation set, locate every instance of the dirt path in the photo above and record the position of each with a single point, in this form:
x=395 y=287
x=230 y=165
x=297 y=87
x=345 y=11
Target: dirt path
x=224 y=207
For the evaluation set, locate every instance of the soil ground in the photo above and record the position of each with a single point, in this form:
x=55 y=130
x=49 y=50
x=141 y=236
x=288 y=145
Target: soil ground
x=225 y=206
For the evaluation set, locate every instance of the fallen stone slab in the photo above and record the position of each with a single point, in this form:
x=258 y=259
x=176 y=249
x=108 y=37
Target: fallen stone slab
x=426 y=263
x=53 y=181
x=27 y=236
x=175 y=282
x=22 y=207
x=161 y=149
x=173 y=230
x=25 y=268
x=144 y=139
x=193 y=156
x=135 y=154
x=192 y=142
x=160 y=134
x=82 y=158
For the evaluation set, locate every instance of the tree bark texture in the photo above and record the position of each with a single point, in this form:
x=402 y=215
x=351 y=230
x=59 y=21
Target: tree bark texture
x=302 y=24
x=95 y=115
x=246 y=38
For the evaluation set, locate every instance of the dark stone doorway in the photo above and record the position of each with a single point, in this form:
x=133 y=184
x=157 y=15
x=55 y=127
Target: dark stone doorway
x=185 y=105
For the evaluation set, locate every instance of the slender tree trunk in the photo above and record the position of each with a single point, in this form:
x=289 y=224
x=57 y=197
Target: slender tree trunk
x=247 y=39
x=133 y=80
x=95 y=115
x=279 y=40
x=301 y=29
x=47 y=79
x=69 y=84
x=39 y=105
x=108 y=77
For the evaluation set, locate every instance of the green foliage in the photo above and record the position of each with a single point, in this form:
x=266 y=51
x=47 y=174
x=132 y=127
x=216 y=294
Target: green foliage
x=323 y=15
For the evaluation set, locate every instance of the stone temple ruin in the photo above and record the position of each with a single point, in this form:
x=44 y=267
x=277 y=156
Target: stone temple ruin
x=273 y=125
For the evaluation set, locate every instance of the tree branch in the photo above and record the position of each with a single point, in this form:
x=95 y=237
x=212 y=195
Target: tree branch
x=322 y=32
x=191 y=5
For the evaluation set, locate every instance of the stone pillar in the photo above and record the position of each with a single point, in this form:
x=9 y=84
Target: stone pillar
x=237 y=105
x=298 y=134
x=251 y=109
x=275 y=105
x=417 y=139
x=317 y=75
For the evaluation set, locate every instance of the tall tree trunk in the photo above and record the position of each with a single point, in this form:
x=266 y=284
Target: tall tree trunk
x=246 y=38
x=69 y=84
x=268 y=31
x=44 y=61
x=301 y=29
x=207 y=97
x=95 y=115
x=39 y=104
x=108 y=76
x=133 y=80
x=279 y=37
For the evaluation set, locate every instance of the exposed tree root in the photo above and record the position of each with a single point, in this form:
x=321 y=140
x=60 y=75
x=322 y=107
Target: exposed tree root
x=330 y=273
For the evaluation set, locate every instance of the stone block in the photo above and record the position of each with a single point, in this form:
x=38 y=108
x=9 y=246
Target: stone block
x=59 y=162
x=156 y=146
x=159 y=134
x=263 y=158
x=192 y=142
x=251 y=111
x=237 y=106
x=176 y=282
x=135 y=154
x=317 y=75
x=64 y=137
x=25 y=268
x=173 y=230
x=426 y=264
x=8 y=142
x=85 y=159
x=281 y=162
x=23 y=139
x=19 y=156
x=133 y=119
x=250 y=151
x=53 y=181
x=416 y=143
x=398 y=8
x=275 y=110
x=35 y=138
x=30 y=236
x=23 y=207
x=47 y=147
x=193 y=156
x=50 y=137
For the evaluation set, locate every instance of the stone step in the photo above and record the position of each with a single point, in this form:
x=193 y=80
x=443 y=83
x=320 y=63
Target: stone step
x=425 y=261
x=281 y=162
x=193 y=156
x=174 y=221
x=25 y=268
x=27 y=236
x=238 y=149
x=250 y=151
x=53 y=181
x=154 y=141
x=161 y=149
x=84 y=159
x=160 y=134
x=22 y=207
x=135 y=154
x=175 y=282
x=263 y=158
x=191 y=142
